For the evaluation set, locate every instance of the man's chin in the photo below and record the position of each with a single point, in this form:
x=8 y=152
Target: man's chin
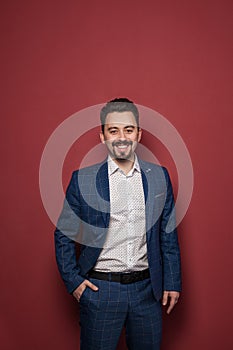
x=123 y=157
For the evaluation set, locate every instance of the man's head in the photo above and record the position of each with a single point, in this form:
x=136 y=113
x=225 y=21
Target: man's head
x=120 y=128
x=118 y=105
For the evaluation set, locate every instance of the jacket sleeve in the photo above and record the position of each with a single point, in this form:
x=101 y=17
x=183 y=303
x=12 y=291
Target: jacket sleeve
x=169 y=242
x=65 y=234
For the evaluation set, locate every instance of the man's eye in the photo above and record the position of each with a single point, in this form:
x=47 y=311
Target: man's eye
x=113 y=132
x=129 y=131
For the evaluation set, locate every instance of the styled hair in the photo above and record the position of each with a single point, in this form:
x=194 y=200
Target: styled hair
x=121 y=104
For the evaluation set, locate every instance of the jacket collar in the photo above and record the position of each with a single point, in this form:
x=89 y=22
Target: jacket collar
x=102 y=182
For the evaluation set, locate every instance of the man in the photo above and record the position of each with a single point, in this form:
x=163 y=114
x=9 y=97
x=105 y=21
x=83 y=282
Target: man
x=121 y=211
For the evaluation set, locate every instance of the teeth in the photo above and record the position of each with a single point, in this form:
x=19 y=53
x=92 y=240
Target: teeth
x=122 y=147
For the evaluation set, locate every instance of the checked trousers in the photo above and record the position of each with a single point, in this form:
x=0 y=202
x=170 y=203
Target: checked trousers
x=104 y=313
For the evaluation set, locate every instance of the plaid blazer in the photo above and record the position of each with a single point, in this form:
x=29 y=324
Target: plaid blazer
x=85 y=218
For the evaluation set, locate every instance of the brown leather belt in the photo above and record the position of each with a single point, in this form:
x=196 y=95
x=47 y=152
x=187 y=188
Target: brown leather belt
x=124 y=278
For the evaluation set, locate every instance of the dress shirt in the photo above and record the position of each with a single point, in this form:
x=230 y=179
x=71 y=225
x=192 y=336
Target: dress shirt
x=125 y=246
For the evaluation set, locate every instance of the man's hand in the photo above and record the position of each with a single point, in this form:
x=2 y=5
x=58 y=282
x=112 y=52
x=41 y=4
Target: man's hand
x=80 y=289
x=173 y=296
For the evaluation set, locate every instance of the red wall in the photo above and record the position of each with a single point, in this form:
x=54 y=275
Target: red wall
x=58 y=57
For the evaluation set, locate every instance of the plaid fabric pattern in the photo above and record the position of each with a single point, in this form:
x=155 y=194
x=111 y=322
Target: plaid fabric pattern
x=162 y=246
x=104 y=313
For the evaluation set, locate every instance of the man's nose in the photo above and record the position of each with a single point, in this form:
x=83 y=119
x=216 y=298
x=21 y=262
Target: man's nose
x=121 y=134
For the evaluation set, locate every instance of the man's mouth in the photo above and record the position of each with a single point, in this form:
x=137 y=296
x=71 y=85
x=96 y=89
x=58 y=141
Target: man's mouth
x=122 y=145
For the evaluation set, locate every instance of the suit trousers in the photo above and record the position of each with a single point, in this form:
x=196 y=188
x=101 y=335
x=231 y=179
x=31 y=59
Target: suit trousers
x=103 y=315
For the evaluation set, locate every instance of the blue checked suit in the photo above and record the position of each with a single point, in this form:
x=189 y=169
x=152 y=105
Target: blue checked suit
x=85 y=218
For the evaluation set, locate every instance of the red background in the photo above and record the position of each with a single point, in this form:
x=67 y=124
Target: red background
x=58 y=57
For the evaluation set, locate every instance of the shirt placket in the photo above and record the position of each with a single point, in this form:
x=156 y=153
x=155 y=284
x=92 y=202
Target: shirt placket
x=130 y=222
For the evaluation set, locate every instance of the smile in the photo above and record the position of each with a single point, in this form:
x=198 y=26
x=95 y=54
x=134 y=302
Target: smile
x=122 y=147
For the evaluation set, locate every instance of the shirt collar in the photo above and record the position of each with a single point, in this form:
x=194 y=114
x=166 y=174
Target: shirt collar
x=112 y=166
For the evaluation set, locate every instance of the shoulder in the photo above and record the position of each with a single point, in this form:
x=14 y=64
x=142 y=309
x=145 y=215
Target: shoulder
x=154 y=172
x=90 y=170
x=145 y=166
x=86 y=177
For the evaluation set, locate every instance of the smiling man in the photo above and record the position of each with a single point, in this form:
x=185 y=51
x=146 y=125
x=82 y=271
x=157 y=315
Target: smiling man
x=129 y=204
x=121 y=135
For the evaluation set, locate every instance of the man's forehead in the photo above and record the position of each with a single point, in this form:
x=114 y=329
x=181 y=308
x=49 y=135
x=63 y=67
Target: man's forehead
x=118 y=118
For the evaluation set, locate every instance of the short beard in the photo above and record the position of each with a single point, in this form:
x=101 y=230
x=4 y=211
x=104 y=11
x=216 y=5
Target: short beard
x=123 y=157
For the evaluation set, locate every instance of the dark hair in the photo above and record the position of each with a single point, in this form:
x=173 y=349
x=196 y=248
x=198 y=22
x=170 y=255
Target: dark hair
x=118 y=105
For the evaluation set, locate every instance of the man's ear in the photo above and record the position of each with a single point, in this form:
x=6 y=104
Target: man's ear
x=139 y=134
x=102 y=137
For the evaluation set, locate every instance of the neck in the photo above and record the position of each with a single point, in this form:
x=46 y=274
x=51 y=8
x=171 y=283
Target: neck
x=125 y=164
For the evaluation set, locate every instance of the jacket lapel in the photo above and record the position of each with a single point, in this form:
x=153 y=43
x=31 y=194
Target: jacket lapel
x=102 y=186
x=149 y=192
x=154 y=184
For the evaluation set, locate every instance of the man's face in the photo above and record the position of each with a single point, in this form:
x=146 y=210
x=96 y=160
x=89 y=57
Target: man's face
x=121 y=135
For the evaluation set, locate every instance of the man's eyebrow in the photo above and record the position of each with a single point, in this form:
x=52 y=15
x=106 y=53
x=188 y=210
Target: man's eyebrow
x=125 y=127
x=112 y=127
x=130 y=126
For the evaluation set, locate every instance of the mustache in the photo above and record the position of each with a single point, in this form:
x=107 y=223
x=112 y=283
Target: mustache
x=122 y=143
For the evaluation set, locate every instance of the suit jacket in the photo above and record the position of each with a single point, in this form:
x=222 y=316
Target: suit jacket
x=85 y=219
